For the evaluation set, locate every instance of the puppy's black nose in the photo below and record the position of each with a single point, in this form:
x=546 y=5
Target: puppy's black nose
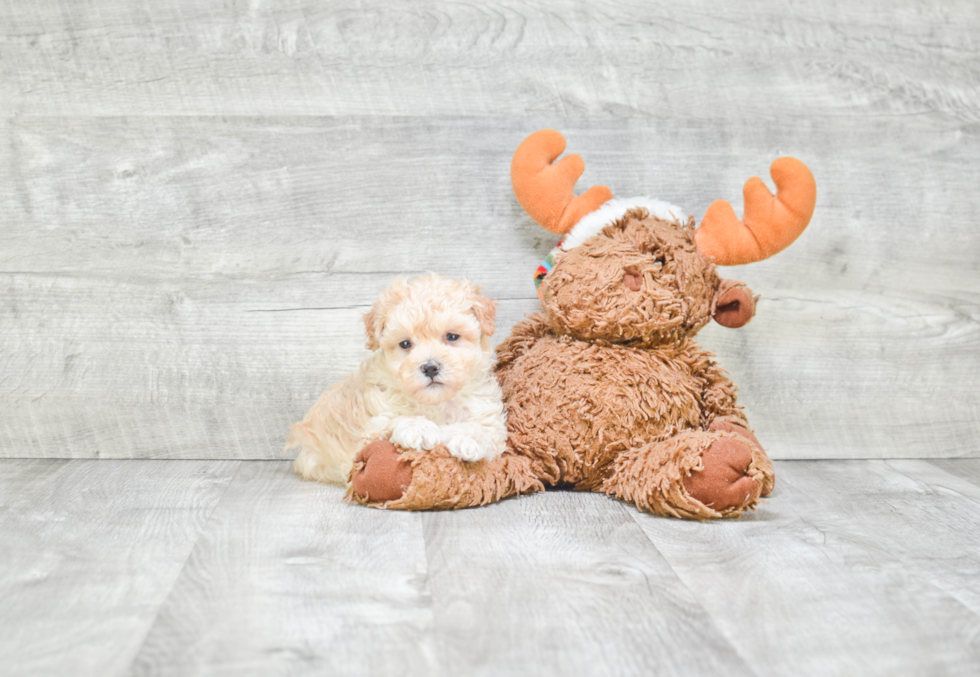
x=430 y=369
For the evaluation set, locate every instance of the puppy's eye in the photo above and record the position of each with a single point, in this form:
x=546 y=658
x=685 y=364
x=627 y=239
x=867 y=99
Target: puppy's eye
x=405 y=345
x=452 y=337
x=662 y=261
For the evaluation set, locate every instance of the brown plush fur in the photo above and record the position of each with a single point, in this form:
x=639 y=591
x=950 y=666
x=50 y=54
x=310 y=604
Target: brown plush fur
x=608 y=391
x=441 y=481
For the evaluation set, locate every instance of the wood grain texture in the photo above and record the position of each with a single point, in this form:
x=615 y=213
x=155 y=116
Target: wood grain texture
x=563 y=583
x=197 y=200
x=198 y=306
x=90 y=552
x=188 y=567
x=288 y=579
x=946 y=555
x=856 y=567
x=755 y=59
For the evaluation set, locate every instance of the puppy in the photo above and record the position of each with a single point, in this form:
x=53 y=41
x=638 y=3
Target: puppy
x=429 y=382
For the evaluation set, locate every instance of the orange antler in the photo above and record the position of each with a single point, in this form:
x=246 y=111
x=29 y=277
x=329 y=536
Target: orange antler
x=771 y=223
x=546 y=190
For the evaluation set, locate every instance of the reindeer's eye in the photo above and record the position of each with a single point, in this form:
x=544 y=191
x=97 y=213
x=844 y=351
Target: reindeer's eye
x=405 y=345
x=654 y=248
x=452 y=337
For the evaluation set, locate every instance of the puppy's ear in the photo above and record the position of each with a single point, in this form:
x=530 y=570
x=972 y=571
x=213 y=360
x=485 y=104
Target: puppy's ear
x=486 y=312
x=373 y=324
x=374 y=319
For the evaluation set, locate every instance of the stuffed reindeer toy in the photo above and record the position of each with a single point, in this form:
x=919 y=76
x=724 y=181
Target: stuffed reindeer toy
x=607 y=390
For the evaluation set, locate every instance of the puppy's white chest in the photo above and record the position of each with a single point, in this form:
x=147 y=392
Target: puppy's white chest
x=455 y=412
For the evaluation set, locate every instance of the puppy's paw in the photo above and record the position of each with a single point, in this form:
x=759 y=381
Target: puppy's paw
x=415 y=432
x=466 y=448
x=377 y=428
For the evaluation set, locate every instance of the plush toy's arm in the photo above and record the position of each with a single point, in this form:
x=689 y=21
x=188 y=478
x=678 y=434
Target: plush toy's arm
x=524 y=335
x=436 y=480
x=717 y=394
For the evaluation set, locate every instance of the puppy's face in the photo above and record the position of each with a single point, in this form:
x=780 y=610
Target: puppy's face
x=434 y=333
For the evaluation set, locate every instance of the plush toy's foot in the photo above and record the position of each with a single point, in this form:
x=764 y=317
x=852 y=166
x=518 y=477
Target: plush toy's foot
x=380 y=473
x=724 y=482
x=766 y=476
x=697 y=473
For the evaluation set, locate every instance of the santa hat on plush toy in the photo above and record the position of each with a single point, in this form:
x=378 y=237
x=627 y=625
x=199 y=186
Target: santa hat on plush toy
x=546 y=191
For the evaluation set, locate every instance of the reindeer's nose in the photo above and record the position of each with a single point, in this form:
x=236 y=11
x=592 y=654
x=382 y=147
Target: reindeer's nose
x=430 y=369
x=633 y=280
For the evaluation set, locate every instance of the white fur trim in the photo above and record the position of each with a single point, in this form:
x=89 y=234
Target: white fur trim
x=614 y=209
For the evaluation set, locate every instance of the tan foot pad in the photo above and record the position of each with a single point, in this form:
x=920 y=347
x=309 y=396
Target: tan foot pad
x=380 y=472
x=724 y=482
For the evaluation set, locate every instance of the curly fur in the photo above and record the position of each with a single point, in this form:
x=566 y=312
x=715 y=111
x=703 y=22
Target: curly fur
x=607 y=390
x=391 y=397
x=584 y=295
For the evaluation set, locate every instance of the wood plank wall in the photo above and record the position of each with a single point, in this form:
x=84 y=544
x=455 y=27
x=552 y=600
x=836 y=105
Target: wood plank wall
x=198 y=200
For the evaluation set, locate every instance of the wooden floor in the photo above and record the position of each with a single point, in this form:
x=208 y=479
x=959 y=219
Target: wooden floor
x=238 y=567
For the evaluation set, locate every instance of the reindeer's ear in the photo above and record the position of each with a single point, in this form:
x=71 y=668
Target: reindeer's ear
x=486 y=312
x=733 y=304
x=373 y=326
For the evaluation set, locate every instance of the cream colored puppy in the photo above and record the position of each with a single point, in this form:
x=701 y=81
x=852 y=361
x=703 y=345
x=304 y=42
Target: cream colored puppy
x=428 y=383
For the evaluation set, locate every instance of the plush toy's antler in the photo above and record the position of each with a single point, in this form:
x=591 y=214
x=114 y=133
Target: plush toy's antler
x=546 y=190
x=770 y=224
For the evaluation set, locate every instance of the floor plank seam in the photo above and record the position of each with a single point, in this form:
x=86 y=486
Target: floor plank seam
x=939 y=462
x=966 y=497
x=634 y=515
x=437 y=649
x=183 y=566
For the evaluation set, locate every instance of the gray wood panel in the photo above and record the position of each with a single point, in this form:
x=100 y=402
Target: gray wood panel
x=197 y=300
x=754 y=59
x=288 y=579
x=90 y=552
x=197 y=200
x=856 y=567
